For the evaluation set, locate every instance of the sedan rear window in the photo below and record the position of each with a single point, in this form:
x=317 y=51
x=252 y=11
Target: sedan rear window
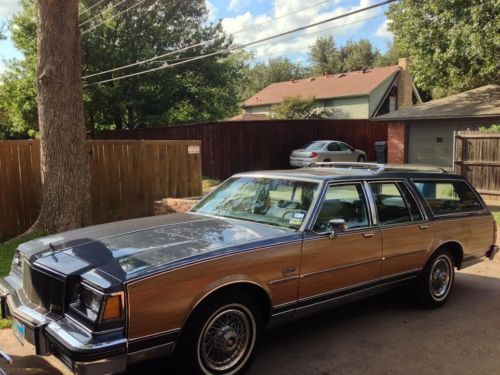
x=314 y=146
x=449 y=197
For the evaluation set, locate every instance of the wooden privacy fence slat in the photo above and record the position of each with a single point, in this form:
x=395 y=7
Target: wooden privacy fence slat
x=237 y=146
x=477 y=157
x=126 y=178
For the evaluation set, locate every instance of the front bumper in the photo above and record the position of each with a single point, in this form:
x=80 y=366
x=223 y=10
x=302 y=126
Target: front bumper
x=74 y=345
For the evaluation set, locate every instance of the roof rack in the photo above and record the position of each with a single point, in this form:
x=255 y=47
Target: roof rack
x=377 y=167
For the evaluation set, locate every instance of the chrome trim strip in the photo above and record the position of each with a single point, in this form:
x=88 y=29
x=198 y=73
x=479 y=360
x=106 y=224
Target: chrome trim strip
x=353 y=293
x=338 y=268
x=405 y=253
x=358 y=285
x=281 y=305
x=167 y=332
x=291 y=278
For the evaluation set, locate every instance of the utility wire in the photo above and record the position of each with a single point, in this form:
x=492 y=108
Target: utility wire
x=113 y=16
x=100 y=13
x=289 y=38
x=247 y=44
x=92 y=6
x=206 y=41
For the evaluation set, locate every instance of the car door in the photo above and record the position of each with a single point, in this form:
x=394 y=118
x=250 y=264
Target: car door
x=346 y=152
x=333 y=152
x=407 y=237
x=352 y=257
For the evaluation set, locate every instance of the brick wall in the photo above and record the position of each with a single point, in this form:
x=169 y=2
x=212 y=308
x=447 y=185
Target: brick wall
x=396 y=136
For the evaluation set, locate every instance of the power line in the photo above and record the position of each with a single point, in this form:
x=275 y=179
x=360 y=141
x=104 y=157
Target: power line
x=100 y=13
x=92 y=6
x=291 y=37
x=113 y=16
x=206 y=41
x=247 y=44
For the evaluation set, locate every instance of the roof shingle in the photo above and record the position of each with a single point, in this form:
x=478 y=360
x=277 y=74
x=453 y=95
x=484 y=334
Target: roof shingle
x=324 y=87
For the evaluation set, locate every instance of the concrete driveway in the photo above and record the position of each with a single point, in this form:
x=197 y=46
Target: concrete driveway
x=382 y=335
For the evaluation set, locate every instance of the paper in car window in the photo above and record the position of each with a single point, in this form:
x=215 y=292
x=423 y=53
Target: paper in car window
x=297 y=218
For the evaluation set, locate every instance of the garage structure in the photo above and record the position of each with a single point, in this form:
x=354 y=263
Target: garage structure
x=427 y=130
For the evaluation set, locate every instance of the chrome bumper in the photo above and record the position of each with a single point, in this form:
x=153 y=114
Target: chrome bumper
x=78 y=349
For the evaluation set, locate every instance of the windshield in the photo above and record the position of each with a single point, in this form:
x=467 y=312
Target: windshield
x=282 y=203
x=314 y=146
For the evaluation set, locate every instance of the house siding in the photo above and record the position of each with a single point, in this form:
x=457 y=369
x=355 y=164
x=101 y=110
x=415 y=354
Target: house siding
x=377 y=95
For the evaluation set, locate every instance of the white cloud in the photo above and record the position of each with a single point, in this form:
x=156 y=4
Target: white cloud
x=298 y=42
x=236 y=5
x=212 y=11
x=8 y=8
x=383 y=31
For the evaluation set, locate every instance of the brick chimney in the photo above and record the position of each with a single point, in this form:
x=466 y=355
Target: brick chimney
x=405 y=90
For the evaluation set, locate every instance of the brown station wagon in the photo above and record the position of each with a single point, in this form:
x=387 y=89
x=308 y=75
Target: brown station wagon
x=262 y=249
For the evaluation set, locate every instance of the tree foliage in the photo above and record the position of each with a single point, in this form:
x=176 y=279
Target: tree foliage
x=452 y=44
x=354 y=55
x=262 y=74
x=298 y=108
x=203 y=90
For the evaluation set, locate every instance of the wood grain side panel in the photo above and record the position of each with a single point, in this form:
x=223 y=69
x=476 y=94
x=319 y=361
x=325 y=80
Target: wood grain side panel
x=476 y=234
x=329 y=264
x=163 y=302
x=406 y=248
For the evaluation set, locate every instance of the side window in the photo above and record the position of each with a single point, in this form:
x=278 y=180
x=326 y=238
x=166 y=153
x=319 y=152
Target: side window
x=345 y=202
x=449 y=197
x=391 y=206
x=333 y=147
x=343 y=147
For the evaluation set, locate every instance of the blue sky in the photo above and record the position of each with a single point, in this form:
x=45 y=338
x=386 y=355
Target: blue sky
x=238 y=15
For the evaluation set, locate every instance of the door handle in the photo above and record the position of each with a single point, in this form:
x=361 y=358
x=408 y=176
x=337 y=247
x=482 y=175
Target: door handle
x=370 y=234
x=423 y=226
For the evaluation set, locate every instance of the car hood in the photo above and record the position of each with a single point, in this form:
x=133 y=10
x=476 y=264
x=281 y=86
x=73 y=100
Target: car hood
x=128 y=249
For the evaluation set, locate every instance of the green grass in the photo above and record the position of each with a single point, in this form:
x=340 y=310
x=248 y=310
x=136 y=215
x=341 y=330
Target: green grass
x=7 y=250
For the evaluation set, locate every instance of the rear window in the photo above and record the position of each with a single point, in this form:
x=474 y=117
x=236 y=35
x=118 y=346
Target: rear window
x=314 y=146
x=449 y=197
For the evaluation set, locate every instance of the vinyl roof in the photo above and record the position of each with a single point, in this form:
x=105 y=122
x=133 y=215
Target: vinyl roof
x=480 y=102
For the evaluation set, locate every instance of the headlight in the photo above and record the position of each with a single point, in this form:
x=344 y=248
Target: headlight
x=86 y=302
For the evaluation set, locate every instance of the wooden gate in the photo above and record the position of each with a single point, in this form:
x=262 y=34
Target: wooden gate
x=477 y=157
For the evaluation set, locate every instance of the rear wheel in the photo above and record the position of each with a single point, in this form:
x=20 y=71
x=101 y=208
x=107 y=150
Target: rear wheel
x=361 y=159
x=222 y=335
x=435 y=282
x=326 y=160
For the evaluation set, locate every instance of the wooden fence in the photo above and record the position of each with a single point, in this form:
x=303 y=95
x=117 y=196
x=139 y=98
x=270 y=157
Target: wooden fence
x=237 y=146
x=477 y=157
x=126 y=178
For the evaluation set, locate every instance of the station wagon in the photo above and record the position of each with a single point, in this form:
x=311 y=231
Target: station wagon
x=260 y=250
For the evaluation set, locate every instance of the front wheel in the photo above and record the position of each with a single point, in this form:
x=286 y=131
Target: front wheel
x=361 y=159
x=435 y=282
x=222 y=335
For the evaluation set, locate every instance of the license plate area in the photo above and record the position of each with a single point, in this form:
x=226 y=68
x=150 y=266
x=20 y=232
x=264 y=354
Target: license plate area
x=19 y=330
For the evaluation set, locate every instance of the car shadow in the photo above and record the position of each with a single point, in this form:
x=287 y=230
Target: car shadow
x=29 y=364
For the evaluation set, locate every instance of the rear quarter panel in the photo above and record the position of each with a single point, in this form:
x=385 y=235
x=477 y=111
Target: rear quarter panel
x=163 y=302
x=475 y=233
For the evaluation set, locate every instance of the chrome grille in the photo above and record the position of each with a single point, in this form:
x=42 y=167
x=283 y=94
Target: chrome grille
x=43 y=289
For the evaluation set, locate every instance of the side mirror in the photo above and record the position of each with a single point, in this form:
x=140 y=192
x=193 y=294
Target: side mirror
x=336 y=226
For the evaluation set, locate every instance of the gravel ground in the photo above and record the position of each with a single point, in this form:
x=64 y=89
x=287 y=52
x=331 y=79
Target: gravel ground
x=381 y=335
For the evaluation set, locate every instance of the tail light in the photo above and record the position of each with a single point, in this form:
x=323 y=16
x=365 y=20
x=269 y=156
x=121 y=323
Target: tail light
x=313 y=154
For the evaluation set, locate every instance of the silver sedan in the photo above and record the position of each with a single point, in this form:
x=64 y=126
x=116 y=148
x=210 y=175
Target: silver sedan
x=324 y=151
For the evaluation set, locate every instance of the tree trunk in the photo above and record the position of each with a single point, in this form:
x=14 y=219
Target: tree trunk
x=64 y=156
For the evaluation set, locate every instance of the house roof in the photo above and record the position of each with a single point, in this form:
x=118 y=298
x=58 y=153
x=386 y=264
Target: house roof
x=481 y=102
x=248 y=117
x=324 y=87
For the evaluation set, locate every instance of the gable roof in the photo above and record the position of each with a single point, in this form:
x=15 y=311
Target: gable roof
x=481 y=102
x=356 y=83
